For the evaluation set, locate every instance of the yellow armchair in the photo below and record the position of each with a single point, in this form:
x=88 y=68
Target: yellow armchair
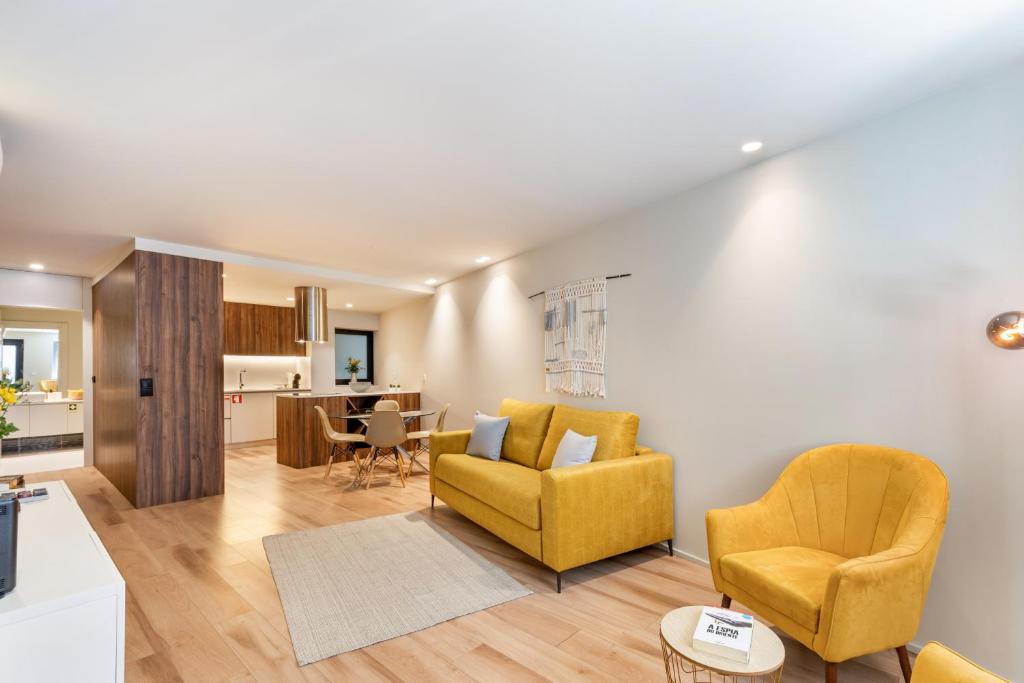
x=839 y=552
x=938 y=664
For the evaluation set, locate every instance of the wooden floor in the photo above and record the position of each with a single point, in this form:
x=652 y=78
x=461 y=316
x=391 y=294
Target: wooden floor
x=202 y=605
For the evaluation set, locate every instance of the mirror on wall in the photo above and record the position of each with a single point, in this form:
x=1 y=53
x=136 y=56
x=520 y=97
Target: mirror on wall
x=33 y=354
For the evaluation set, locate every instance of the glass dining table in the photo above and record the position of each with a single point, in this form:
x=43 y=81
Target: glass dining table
x=364 y=418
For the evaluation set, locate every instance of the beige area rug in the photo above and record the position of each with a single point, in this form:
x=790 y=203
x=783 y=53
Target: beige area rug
x=348 y=586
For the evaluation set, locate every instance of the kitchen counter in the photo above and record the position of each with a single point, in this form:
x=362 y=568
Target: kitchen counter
x=51 y=402
x=265 y=391
x=300 y=437
x=356 y=394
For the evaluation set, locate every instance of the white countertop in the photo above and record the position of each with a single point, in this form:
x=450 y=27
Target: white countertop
x=378 y=392
x=247 y=390
x=55 y=401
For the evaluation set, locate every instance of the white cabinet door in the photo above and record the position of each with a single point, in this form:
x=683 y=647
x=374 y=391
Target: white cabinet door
x=253 y=418
x=48 y=420
x=227 y=431
x=76 y=418
x=20 y=417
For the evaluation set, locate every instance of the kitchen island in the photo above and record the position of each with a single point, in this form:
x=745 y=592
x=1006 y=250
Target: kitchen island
x=300 y=438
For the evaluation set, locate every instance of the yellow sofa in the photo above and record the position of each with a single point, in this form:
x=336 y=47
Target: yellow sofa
x=567 y=516
x=839 y=552
x=938 y=664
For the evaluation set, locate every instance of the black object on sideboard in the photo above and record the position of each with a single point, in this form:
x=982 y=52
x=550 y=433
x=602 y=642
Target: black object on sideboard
x=9 y=508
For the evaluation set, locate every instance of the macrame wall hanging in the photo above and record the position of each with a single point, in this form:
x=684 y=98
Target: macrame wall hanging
x=575 y=322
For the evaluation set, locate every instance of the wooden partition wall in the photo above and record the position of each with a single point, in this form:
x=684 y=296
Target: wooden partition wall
x=159 y=317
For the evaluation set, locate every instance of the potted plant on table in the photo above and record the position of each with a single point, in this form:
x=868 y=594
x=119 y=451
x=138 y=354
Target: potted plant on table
x=353 y=369
x=9 y=390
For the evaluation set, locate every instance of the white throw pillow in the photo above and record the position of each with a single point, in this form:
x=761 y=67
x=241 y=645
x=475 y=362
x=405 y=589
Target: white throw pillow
x=488 y=434
x=574 y=449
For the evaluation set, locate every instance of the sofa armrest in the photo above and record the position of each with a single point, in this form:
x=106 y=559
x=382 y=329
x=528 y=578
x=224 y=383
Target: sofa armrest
x=593 y=511
x=446 y=442
x=872 y=603
x=736 y=530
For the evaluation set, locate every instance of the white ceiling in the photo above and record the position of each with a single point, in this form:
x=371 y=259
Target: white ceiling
x=406 y=138
x=257 y=285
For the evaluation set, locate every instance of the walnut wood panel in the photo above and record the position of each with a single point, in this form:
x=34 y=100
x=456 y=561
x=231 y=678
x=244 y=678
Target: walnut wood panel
x=180 y=337
x=300 y=439
x=257 y=330
x=115 y=364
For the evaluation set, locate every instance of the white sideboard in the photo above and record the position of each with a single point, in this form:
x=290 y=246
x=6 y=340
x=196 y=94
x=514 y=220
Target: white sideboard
x=64 y=620
x=47 y=418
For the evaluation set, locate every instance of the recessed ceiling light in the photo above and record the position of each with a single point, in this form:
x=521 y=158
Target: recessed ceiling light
x=348 y=305
x=752 y=146
x=430 y=281
x=482 y=259
x=290 y=298
x=36 y=266
x=223 y=274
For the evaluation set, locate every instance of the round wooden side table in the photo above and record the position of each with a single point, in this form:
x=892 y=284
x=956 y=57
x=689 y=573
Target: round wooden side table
x=683 y=664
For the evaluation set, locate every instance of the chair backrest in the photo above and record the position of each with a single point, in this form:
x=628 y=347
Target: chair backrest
x=386 y=430
x=856 y=500
x=325 y=423
x=439 y=425
x=386 y=404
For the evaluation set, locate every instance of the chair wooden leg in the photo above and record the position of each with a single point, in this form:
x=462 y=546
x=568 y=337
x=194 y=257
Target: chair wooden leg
x=330 y=461
x=558 y=581
x=726 y=601
x=401 y=468
x=372 y=465
x=831 y=672
x=901 y=652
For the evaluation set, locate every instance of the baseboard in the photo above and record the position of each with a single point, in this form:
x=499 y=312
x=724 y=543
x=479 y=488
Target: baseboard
x=911 y=647
x=676 y=552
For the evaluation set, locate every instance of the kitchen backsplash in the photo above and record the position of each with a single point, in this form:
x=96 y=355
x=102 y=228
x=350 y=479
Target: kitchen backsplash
x=265 y=372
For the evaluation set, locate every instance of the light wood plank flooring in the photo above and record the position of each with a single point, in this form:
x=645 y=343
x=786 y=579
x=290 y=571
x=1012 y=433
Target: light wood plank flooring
x=202 y=605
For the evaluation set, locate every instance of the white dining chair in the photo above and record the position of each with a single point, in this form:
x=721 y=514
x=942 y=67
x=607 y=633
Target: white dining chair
x=385 y=434
x=339 y=441
x=422 y=439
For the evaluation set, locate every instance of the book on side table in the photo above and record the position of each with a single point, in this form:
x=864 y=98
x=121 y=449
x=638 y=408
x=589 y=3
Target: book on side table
x=725 y=633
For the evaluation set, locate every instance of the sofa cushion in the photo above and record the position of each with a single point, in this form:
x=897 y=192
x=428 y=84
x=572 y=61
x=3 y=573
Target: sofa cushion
x=507 y=487
x=791 y=580
x=486 y=439
x=527 y=427
x=615 y=432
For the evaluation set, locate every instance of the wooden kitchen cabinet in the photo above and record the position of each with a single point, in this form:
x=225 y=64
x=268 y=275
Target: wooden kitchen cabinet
x=256 y=330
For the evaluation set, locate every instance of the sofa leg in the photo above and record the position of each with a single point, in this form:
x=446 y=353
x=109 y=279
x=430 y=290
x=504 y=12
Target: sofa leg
x=431 y=501
x=726 y=601
x=901 y=652
x=831 y=672
x=558 y=581
x=670 y=553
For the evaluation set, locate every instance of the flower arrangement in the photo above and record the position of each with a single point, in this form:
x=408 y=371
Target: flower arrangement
x=9 y=390
x=353 y=365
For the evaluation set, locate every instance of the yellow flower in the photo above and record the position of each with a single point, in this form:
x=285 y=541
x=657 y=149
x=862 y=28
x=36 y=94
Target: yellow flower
x=8 y=395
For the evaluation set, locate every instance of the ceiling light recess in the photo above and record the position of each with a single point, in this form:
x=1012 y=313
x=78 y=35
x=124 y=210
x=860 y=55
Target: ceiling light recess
x=752 y=146
x=430 y=281
x=482 y=259
x=36 y=266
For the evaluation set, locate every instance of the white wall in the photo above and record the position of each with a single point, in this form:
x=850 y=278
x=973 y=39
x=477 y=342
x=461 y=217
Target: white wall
x=322 y=355
x=836 y=293
x=43 y=290
x=266 y=372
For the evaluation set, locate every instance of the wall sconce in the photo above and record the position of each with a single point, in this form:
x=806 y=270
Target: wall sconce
x=1006 y=330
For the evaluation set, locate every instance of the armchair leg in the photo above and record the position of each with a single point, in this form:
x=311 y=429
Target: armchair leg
x=431 y=501
x=831 y=672
x=726 y=601
x=901 y=652
x=670 y=553
x=558 y=581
